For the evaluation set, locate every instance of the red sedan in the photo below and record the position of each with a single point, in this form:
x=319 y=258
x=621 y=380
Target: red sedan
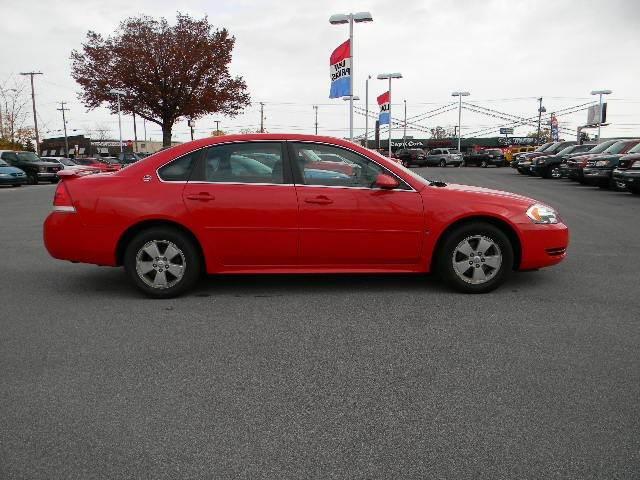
x=255 y=204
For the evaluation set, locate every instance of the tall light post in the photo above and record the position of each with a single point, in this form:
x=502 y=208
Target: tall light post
x=389 y=76
x=600 y=93
x=366 y=112
x=118 y=93
x=460 y=95
x=404 y=132
x=350 y=18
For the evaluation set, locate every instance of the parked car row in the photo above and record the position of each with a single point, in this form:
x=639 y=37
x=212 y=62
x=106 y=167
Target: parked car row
x=20 y=168
x=437 y=157
x=613 y=164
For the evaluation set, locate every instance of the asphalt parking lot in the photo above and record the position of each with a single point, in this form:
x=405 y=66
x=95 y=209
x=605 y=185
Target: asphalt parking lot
x=329 y=376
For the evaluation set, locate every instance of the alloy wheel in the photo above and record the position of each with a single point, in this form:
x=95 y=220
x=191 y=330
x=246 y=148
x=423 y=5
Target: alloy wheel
x=476 y=259
x=160 y=264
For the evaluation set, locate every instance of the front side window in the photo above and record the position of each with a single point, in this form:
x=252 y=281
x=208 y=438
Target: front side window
x=250 y=162
x=180 y=169
x=352 y=170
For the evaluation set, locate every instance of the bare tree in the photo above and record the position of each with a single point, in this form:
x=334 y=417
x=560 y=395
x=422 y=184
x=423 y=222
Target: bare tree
x=13 y=108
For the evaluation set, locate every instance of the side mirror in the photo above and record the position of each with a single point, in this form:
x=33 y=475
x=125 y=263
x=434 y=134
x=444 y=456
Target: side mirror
x=386 y=182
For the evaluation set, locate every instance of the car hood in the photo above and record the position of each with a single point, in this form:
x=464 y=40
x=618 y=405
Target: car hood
x=489 y=192
x=4 y=169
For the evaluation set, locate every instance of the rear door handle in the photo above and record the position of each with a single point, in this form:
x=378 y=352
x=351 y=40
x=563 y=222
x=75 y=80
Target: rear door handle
x=201 y=196
x=319 y=200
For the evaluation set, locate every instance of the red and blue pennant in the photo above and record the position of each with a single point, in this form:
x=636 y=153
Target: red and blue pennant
x=340 y=71
x=384 y=101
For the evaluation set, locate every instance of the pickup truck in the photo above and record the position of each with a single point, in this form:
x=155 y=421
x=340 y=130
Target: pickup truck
x=484 y=158
x=37 y=170
x=443 y=157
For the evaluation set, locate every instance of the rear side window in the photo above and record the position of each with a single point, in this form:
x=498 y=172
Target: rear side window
x=180 y=169
x=250 y=162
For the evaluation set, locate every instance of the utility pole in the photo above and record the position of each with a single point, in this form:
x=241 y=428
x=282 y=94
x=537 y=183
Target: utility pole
x=64 y=123
x=217 y=127
x=33 y=103
x=261 y=117
x=315 y=107
x=539 y=117
x=135 y=134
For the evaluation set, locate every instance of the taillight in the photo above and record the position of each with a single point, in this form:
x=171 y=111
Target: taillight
x=62 y=200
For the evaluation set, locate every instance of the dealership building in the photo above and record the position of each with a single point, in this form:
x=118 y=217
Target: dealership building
x=465 y=143
x=82 y=146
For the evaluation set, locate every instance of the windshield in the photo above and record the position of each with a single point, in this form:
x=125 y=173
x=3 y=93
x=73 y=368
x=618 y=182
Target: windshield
x=616 y=147
x=28 y=157
x=567 y=150
x=542 y=148
x=635 y=149
x=407 y=171
x=602 y=146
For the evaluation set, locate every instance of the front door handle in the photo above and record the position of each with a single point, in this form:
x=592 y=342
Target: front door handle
x=201 y=196
x=319 y=200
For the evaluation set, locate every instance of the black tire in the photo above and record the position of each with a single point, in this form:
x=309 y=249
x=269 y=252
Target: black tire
x=192 y=263
x=32 y=179
x=634 y=190
x=447 y=250
x=498 y=165
x=546 y=173
x=484 y=164
x=16 y=186
x=443 y=163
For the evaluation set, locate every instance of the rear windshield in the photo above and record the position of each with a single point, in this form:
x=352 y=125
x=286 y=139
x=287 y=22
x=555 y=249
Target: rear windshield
x=635 y=149
x=617 y=147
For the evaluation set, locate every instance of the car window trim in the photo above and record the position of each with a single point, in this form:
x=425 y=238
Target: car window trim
x=299 y=180
x=199 y=165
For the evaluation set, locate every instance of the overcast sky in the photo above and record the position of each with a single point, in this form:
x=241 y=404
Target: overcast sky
x=506 y=53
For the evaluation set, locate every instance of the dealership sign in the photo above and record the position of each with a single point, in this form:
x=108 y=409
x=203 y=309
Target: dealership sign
x=517 y=141
x=408 y=143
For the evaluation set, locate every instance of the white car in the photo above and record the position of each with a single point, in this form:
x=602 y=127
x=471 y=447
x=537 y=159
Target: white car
x=68 y=164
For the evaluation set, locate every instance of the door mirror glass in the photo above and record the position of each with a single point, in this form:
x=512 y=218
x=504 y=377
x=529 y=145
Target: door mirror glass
x=386 y=182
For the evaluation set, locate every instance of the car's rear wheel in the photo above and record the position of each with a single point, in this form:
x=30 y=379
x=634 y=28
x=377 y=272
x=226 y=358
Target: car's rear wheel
x=162 y=262
x=475 y=258
x=32 y=179
x=443 y=163
x=484 y=164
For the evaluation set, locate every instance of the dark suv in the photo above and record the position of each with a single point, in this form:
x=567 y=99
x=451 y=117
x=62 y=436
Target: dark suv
x=37 y=170
x=599 y=170
x=525 y=162
x=412 y=156
x=484 y=158
x=548 y=166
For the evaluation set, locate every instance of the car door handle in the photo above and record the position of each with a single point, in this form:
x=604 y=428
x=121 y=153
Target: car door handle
x=319 y=200
x=202 y=197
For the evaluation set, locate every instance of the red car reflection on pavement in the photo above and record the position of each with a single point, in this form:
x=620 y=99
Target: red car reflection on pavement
x=256 y=204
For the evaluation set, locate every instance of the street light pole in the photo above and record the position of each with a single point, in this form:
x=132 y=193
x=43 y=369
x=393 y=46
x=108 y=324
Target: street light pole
x=118 y=93
x=404 y=133
x=460 y=95
x=389 y=76
x=540 y=110
x=600 y=93
x=64 y=123
x=350 y=19
x=366 y=109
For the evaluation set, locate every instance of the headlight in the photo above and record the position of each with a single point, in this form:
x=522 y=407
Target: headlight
x=602 y=163
x=542 y=214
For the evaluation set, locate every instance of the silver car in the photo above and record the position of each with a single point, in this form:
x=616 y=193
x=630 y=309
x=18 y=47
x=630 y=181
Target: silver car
x=443 y=157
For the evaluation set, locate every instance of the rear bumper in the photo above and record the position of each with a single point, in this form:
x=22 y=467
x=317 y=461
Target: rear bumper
x=66 y=238
x=543 y=245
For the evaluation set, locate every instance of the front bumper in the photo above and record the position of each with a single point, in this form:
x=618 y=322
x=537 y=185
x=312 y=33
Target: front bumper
x=13 y=180
x=47 y=175
x=596 y=175
x=543 y=245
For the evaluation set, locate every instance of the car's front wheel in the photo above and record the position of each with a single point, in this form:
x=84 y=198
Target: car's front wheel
x=484 y=164
x=32 y=179
x=475 y=258
x=162 y=262
x=443 y=163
